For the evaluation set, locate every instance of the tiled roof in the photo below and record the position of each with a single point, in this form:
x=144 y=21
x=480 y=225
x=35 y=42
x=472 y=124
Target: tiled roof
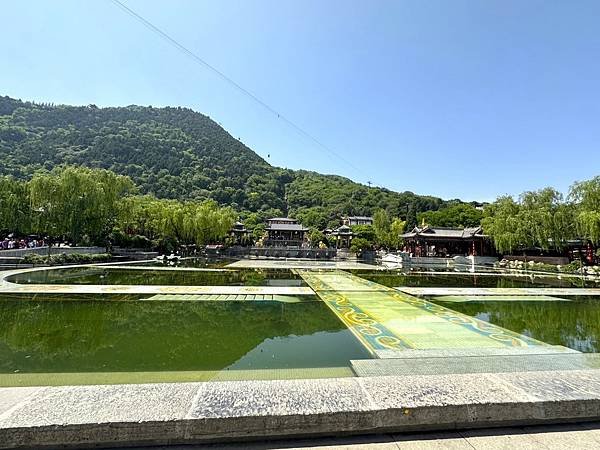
x=450 y=233
x=359 y=218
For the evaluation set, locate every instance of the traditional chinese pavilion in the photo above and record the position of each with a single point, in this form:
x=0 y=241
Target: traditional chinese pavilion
x=342 y=236
x=240 y=234
x=285 y=232
x=437 y=241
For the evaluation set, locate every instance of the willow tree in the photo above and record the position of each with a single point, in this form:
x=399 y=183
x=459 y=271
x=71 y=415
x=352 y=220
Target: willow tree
x=15 y=214
x=503 y=224
x=546 y=219
x=182 y=222
x=206 y=222
x=539 y=219
x=145 y=215
x=585 y=196
x=76 y=202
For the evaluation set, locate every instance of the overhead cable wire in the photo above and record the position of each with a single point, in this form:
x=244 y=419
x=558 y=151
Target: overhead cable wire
x=162 y=34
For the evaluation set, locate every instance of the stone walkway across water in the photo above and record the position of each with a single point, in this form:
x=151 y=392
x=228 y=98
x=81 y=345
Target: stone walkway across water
x=292 y=263
x=13 y=288
x=389 y=322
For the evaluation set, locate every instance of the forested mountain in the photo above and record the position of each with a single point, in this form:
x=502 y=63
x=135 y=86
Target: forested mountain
x=179 y=153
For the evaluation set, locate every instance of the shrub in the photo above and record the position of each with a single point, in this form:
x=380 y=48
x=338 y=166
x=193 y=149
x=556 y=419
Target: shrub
x=64 y=258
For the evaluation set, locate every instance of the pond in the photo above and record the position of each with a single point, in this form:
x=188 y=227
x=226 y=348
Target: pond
x=246 y=333
x=72 y=335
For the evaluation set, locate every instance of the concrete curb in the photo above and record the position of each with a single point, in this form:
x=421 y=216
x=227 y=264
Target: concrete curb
x=187 y=413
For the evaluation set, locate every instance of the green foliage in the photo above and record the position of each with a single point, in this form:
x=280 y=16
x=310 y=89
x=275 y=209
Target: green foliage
x=381 y=226
x=14 y=206
x=539 y=219
x=360 y=244
x=76 y=202
x=315 y=237
x=364 y=231
x=586 y=197
x=168 y=152
x=503 y=225
x=387 y=232
x=95 y=205
x=176 y=153
x=460 y=215
x=396 y=230
x=64 y=258
x=547 y=220
x=189 y=222
x=320 y=200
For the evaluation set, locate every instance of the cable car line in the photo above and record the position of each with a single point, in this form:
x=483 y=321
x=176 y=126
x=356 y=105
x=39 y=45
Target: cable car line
x=224 y=77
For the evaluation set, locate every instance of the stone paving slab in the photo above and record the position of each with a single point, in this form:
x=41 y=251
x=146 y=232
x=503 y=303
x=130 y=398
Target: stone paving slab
x=475 y=352
x=435 y=291
x=103 y=404
x=475 y=364
x=12 y=397
x=187 y=413
x=260 y=398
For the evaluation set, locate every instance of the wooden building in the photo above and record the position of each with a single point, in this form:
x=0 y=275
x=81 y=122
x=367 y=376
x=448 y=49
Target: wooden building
x=445 y=242
x=285 y=232
x=357 y=220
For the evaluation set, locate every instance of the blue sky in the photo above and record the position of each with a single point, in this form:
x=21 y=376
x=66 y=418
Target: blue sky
x=468 y=99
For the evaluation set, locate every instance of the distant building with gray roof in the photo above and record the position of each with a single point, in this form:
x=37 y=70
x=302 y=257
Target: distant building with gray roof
x=440 y=241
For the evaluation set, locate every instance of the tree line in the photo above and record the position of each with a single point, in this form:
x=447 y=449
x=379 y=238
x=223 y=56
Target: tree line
x=545 y=218
x=85 y=206
x=180 y=154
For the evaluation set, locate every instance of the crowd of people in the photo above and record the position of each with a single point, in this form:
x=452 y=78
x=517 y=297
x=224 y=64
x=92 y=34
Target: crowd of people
x=12 y=243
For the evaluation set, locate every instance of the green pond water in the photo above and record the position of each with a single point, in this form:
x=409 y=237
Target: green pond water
x=69 y=339
x=574 y=324
x=48 y=336
x=457 y=279
x=106 y=275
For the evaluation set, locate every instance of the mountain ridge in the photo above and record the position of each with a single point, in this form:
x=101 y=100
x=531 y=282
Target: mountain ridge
x=175 y=152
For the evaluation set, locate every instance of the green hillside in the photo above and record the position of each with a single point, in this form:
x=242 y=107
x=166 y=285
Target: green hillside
x=179 y=153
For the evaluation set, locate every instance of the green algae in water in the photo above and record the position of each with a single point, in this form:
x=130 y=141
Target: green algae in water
x=40 y=336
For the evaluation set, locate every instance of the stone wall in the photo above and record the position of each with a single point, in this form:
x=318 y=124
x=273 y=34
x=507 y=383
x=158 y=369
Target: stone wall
x=556 y=260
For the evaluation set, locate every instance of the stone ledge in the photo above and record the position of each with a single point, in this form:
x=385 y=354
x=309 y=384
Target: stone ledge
x=159 y=414
x=526 y=362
